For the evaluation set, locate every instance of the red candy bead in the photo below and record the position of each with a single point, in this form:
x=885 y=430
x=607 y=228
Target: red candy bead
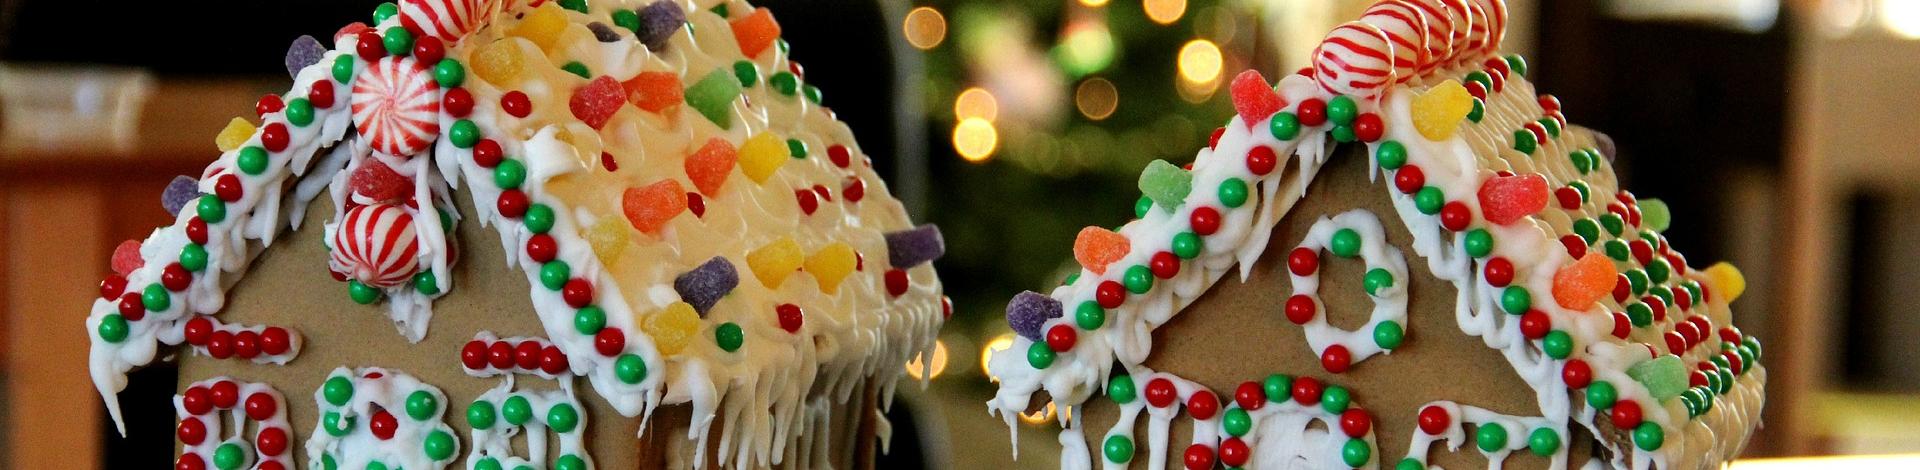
x=197 y=400
x=457 y=102
x=1642 y=251
x=383 y=425
x=1160 y=392
x=271 y=442
x=1682 y=299
x=220 y=345
x=225 y=394
x=1569 y=198
x=607 y=162
x=1368 y=127
x=197 y=230
x=1250 y=395
x=1434 y=420
x=175 y=277
x=1306 y=390
x=1110 y=294
x=198 y=330
x=1336 y=359
x=486 y=153
x=1205 y=220
x=1658 y=306
x=1303 y=261
x=1534 y=324
x=1164 y=265
x=854 y=190
x=516 y=104
x=112 y=286
x=500 y=355
x=1733 y=361
x=1676 y=342
x=1061 y=337
x=1234 y=452
x=321 y=95
x=1689 y=332
x=1698 y=379
x=840 y=156
x=896 y=282
x=261 y=406
x=246 y=344
x=542 y=248
x=1622 y=326
x=1312 y=112
x=191 y=431
x=1549 y=104
x=790 y=316
x=1199 y=457
x=273 y=136
x=1498 y=271
x=131 y=307
x=428 y=50
x=1625 y=414
x=552 y=360
x=1730 y=334
x=526 y=355
x=512 y=204
x=1576 y=246
x=808 y=201
x=1355 y=422
x=1213 y=140
x=1409 y=179
x=1261 y=160
x=1300 y=309
x=823 y=192
x=368 y=44
x=578 y=293
x=474 y=355
x=609 y=342
x=696 y=204
x=1622 y=288
x=228 y=187
x=1577 y=374
x=268 y=104
x=1455 y=216
x=1203 y=405
x=190 y=461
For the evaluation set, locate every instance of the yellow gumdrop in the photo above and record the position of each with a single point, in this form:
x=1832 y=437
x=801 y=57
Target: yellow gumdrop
x=499 y=63
x=1727 y=281
x=830 y=265
x=609 y=238
x=672 y=328
x=775 y=261
x=542 y=25
x=234 y=135
x=1437 y=113
x=761 y=155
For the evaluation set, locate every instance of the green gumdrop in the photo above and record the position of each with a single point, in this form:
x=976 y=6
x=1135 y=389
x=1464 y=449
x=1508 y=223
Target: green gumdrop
x=1664 y=377
x=713 y=96
x=1655 y=215
x=1166 y=184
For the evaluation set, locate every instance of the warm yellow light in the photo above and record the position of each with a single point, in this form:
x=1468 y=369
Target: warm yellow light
x=1164 y=11
x=976 y=103
x=916 y=369
x=1096 y=98
x=1902 y=17
x=975 y=139
x=1857 y=462
x=925 y=28
x=1094 y=3
x=997 y=344
x=1200 y=61
x=1039 y=417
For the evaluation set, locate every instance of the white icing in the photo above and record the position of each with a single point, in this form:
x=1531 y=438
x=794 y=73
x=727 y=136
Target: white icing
x=1389 y=303
x=217 y=433
x=496 y=441
x=377 y=390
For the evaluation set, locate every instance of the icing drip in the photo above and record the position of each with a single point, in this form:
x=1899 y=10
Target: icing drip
x=370 y=415
x=535 y=413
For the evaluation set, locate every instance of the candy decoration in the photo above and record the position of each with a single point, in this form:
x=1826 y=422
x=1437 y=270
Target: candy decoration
x=1437 y=113
x=1506 y=199
x=377 y=182
x=1654 y=215
x=713 y=96
x=1166 y=184
x=649 y=208
x=1405 y=26
x=1665 y=377
x=396 y=106
x=543 y=25
x=1726 y=281
x=1029 y=311
x=1354 y=59
x=304 y=51
x=654 y=91
x=672 y=328
x=234 y=135
x=180 y=191
x=596 y=102
x=376 y=245
x=709 y=166
x=756 y=31
x=915 y=246
x=499 y=62
x=703 y=286
x=1578 y=285
x=658 y=22
x=126 y=258
x=1097 y=247
x=1253 y=99
x=773 y=262
x=831 y=264
x=761 y=155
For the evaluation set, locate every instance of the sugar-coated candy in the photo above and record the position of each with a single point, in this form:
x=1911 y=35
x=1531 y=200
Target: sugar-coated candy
x=1726 y=281
x=1578 y=285
x=304 y=51
x=659 y=21
x=705 y=285
x=500 y=63
x=182 y=190
x=375 y=181
x=761 y=155
x=234 y=135
x=596 y=102
x=672 y=328
x=1167 y=185
x=1029 y=311
x=709 y=166
x=650 y=207
x=1506 y=199
x=653 y=91
x=126 y=258
x=911 y=247
x=1665 y=377
x=773 y=262
x=756 y=31
x=1655 y=215
x=609 y=238
x=603 y=33
x=831 y=264
x=1253 y=99
x=1437 y=113
x=713 y=97
x=1097 y=247
x=542 y=25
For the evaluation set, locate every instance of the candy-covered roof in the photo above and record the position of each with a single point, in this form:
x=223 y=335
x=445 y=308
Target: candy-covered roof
x=691 y=221
x=1558 y=268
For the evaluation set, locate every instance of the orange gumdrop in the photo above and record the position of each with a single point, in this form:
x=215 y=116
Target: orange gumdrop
x=756 y=31
x=1097 y=247
x=1577 y=285
x=709 y=166
x=653 y=91
x=650 y=207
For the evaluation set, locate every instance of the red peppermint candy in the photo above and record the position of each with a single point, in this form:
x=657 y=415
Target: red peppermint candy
x=1406 y=27
x=396 y=106
x=1355 y=59
x=445 y=19
x=376 y=245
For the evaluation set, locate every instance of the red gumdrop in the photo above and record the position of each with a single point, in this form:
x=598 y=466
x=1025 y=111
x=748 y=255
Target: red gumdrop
x=654 y=91
x=709 y=166
x=1578 y=285
x=1097 y=247
x=1253 y=98
x=650 y=207
x=126 y=257
x=374 y=180
x=595 y=103
x=756 y=31
x=1505 y=199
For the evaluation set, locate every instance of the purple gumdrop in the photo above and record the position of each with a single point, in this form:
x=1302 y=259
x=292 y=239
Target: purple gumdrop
x=658 y=22
x=1605 y=144
x=305 y=51
x=1029 y=311
x=705 y=285
x=909 y=248
x=602 y=32
x=179 y=192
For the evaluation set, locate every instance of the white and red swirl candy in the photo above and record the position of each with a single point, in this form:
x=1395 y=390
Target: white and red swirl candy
x=376 y=244
x=1496 y=24
x=1355 y=59
x=396 y=106
x=1407 y=27
x=1477 y=33
x=1439 y=33
x=448 y=20
x=1462 y=24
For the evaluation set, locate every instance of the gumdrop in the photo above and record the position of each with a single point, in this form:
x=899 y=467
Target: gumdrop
x=653 y=91
x=761 y=155
x=1655 y=215
x=773 y=262
x=1097 y=247
x=756 y=31
x=1726 y=281
x=658 y=22
x=650 y=207
x=126 y=258
x=1665 y=377
x=672 y=328
x=1505 y=199
x=1577 y=285
x=713 y=97
x=609 y=238
x=374 y=180
x=709 y=166
x=1253 y=99
x=179 y=192
x=831 y=265
x=705 y=285
x=304 y=51
x=543 y=25
x=234 y=135
x=911 y=247
x=499 y=63
x=1167 y=185
x=1437 y=113
x=595 y=103
x=1029 y=311
x=603 y=33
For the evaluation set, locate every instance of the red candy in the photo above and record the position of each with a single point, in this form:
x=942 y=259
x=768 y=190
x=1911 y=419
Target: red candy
x=1434 y=420
x=198 y=330
x=1253 y=99
x=383 y=425
x=896 y=282
x=1534 y=324
x=1097 y=247
x=756 y=31
x=542 y=248
x=1368 y=127
x=273 y=136
x=246 y=344
x=1578 y=285
x=1312 y=112
x=1203 y=405
x=1577 y=374
x=656 y=91
x=1499 y=272
x=1625 y=414
x=225 y=394
x=500 y=355
x=791 y=317
x=1061 y=337
x=1569 y=198
x=1261 y=160
x=268 y=104
x=1336 y=359
x=191 y=431
x=197 y=400
x=577 y=292
x=321 y=95
x=1250 y=395
x=1205 y=220
x=486 y=153
x=126 y=257
x=1198 y=457
x=474 y=355
x=261 y=406
x=1504 y=200
x=516 y=104
x=1300 y=309
x=1409 y=179
x=1234 y=452
x=552 y=360
x=378 y=182
x=1455 y=216
x=526 y=355
x=396 y=106
x=1306 y=390
x=1160 y=392
x=228 y=187
x=112 y=286
x=840 y=155
x=809 y=201
x=609 y=342
x=272 y=442
x=1355 y=422
x=855 y=189
x=595 y=103
x=709 y=166
x=457 y=102
x=1164 y=265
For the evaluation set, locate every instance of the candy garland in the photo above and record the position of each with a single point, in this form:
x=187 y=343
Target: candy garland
x=501 y=413
x=1495 y=435
x=376 y=418
x=491 y=356
x=260 y=344
x=205 y=445
x=1274 y=416
x=1350 y=234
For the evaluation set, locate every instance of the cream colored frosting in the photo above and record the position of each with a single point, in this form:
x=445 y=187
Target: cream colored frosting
x=377 y=390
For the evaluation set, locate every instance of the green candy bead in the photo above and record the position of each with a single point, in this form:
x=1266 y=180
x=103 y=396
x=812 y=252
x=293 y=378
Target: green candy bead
x=570 y=462
x=113 y=328
x=1284 y=126
x=729 y=336
x=338 y=390
x=1138 y=279
x=1118 y=449
x=797 y=148
x=627 y=19
x=1524 y=142
x=1356 y=452
x=539 y=218
x=1141 y=206
x=562 y=418
x=335 y=424
x=1640 y=315
x=384 y=11
x=1388 y=334
x=1343 y=133
x=516 y=410
x=426 y=283
x=1391 y=155
x=1552 y=127
x=1344 y=243
x=1186 y=245
x=1581 y=187
x=1543 y=442
x=1517 y=64
x=487 y=463
x=1601 y=395
x=1481 y=77
x=398 y=41
x=1588 y=230
x=1039 y=355
x=589 y=320
x=785 y=83
x=376 y=466
x=343 y=68
x=1580 y=161
x=1409 y=463
x=1479 y=110
x=1663 y=293
x=1490 y=437
x=449 y=73
x=228 y=456
x=1233 y=192
x=1516 y=300
x=578 y=69
x=813 y=94
x=300 y=112
x=1278 y=387
x=327 y=463
x=361 y=293
x=1120 y=388
x=480 y=415
x=1090 y=316
x=439 y=445
x=1649 y=436
x=554 y=274
x=1428 y=200
x=252 y=160
x=1376 y=279
x=1558 y=344
x=578 y=5
x=1659 y=270
x=1617 y=250
x=1478 y=243
x=155 y=298
x=1071 y=278
x=463 y=134
x=748 y=74
x=1613 y=223
x=1236 y=422
x=509 y=174
x=211 y=209
x=630 y=369
x=193 y=257
x=1334 y=399
x=1342 y=110
x=1637 y=281
x=421 y=405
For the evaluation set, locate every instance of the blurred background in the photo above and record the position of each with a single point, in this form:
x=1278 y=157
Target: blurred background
x=1780 y=131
